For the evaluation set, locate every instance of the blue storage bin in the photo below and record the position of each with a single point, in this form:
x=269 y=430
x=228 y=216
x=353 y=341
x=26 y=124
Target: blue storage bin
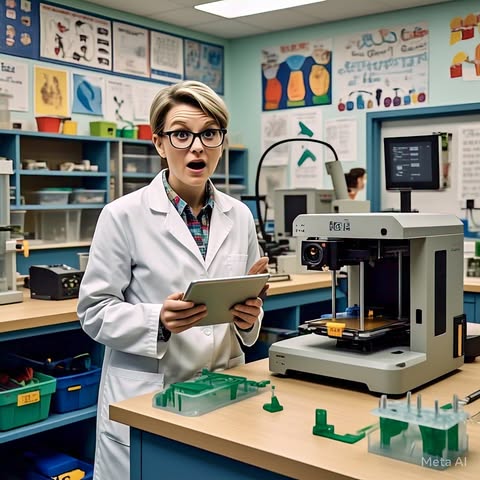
x=76 y=391
x=51 y=465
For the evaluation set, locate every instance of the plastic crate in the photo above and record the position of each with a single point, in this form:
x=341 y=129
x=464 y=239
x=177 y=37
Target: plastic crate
x=49 y=197
x=81 y=195
x=24 y=405
x=76 y=391
x=103 y=129
x=45 y=466
x=58 y=225
x=137 y=163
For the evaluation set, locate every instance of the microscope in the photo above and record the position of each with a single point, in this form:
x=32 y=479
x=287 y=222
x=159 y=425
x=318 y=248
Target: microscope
x=404 y=325
x=8 y=247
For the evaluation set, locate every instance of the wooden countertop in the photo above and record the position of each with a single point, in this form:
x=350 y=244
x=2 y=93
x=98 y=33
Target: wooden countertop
x=36 y=313
x=301 y=282
x=471 y=284
x=283 y=442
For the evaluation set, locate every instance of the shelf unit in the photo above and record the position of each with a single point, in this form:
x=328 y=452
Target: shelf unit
x=231 y=175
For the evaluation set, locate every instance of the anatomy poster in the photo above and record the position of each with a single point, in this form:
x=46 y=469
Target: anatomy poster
x=14 y=80
x=382 y=69
x=19 y=27
x=131 y=53
x=204 y=62
x=465 y=46
x=73 y=37
x=166 y=57
x=87 y=94
x=51 y=92
x=297 y=75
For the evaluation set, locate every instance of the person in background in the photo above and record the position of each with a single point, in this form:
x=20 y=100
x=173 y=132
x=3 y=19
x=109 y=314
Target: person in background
x=356 y=179
x=147 y=247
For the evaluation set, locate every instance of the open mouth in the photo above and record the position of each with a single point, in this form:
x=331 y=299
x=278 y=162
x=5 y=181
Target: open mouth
x=197 y=165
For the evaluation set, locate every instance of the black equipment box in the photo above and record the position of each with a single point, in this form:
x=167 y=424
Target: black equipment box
x=54 y=282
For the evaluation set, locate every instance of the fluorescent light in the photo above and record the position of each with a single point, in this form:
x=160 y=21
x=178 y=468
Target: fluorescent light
x=241 y=8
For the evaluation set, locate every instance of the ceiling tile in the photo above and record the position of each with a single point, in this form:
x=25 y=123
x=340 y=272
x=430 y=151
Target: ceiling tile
x=184 y=17
x=279 y=20
x=228 y=29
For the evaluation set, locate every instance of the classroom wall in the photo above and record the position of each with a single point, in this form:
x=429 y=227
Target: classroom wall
x=245 y=70
x=28 y=118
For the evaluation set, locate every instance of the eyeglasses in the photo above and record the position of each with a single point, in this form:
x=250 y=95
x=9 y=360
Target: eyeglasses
x=183 y=139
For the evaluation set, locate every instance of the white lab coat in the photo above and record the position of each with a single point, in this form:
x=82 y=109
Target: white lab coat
x=142 y=251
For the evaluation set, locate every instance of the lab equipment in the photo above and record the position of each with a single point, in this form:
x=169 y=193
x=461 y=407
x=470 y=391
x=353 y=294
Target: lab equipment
x=54 y=282
x=405 y=273
x=434 y=438
x=8 y=247
x=274 y=405
x=205 y=393
x=221 y=294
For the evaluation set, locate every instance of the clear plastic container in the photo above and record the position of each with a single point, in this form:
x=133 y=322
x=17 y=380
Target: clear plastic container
x=80 y=195
x=138 y=163
x=4 y=110
x=61 y=226
x=48 y=197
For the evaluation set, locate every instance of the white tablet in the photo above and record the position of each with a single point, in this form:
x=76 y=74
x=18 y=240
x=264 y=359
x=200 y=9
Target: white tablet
x=221 y=294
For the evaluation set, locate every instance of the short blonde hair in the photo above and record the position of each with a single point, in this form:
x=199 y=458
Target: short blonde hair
x=192 y=93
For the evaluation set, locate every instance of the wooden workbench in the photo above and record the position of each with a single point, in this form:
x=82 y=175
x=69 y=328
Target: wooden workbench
x=283 y=442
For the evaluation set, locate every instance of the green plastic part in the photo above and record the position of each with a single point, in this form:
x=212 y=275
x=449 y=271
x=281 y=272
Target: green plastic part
x=274 y=405
x=323 y=429
x=209 y=391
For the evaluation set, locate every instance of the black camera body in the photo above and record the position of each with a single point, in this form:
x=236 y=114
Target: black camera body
x=318 y=254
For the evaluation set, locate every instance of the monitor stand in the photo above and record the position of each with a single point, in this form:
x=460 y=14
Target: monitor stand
x=406 y=201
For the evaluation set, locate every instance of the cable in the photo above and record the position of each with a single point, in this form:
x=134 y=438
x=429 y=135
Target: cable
x=261 y=223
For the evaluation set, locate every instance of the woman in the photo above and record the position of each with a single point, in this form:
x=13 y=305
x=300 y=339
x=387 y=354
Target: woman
x=356 y=179
x=147 y=247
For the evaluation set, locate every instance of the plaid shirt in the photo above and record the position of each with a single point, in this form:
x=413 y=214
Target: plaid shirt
x=198 y=226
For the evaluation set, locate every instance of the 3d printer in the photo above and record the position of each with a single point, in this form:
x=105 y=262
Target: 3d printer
x=405 y=325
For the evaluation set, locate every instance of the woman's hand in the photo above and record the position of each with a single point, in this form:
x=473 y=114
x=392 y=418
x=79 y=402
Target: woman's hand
x=246 y=314
x=177 y=315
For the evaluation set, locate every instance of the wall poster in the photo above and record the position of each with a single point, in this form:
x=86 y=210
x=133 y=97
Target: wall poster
x=166 y=57
x=297 y=75
x=382 y=68
x=51 y=92
x=131 y=50
x=204 y=62
x=74 y=37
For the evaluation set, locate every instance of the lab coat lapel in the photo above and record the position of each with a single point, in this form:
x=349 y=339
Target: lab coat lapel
x=174 y=224
x=220 y=226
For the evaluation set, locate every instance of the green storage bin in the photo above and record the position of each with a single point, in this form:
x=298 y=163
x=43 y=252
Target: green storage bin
x=24 y=405
x=103 y=129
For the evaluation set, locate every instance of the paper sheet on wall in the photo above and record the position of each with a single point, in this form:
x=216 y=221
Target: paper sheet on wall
x=469 y=163
x=341 y=133
x=144 y=94
x=131 y=53
x=166 y=57
x=119 y=103
x=14 y=80
x=306 y=159
x=274 y=129
x=51 y=92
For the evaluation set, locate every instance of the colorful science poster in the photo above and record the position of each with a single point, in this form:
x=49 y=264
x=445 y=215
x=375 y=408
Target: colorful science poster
x=465 y=46
x=297 y=75
x=382 y=69
x=74 y=37
x=51 y=92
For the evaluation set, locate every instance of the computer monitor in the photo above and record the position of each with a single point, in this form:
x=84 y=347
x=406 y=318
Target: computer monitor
x=412 y=163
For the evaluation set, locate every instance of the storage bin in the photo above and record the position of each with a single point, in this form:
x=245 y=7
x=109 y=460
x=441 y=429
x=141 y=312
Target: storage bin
x=49 y=196
x=141 y=163
x=24 y=405
x=79 y=390
x=80 y=195
x=129 y=187
x=88 y=223
x=48 y=465
x=58 y=225
x=103 y=129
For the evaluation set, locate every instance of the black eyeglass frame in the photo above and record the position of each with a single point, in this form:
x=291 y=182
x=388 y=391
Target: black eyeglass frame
x=168 y=134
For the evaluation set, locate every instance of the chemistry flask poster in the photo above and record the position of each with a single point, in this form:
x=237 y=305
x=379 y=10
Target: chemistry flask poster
x=382 y=69
x=73 y=37
x=297 y=75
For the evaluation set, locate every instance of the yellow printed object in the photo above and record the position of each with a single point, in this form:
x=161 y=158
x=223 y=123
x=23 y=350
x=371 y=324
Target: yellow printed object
x=460 y=57
x=335 y=329
x=296 y=86
x=319 y=80
x=455 y=30
x=76 y=474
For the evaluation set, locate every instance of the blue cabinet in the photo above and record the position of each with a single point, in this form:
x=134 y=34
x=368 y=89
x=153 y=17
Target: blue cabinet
x=471 y=306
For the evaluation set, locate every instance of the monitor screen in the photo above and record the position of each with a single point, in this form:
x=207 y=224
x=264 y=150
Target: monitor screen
x=412 y=163
x=293 y=206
